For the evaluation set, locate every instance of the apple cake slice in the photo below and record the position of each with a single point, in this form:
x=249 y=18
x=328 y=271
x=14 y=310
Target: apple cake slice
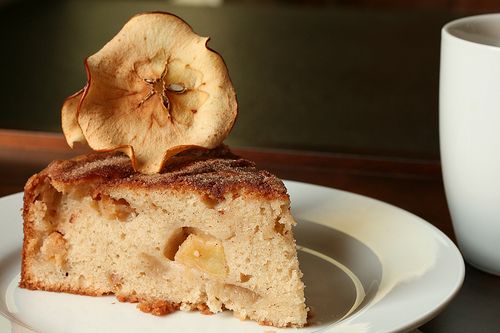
x=210 y=232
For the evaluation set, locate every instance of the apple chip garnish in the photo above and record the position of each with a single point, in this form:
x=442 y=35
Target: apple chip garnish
x=72 y=131
x=155 y=90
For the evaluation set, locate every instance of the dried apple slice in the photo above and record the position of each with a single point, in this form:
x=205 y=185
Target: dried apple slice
x=71 y=129
x=154 y=90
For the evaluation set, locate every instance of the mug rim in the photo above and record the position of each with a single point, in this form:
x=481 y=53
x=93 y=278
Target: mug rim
x=445 y=31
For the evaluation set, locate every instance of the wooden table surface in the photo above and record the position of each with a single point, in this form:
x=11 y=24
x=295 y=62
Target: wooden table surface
x=414 y=185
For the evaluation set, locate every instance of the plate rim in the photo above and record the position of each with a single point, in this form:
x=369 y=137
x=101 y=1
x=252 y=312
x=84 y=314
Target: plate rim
x=460 y=273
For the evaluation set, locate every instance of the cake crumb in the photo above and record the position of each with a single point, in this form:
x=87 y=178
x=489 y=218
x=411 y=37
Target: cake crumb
x=204 y=309
x=158 y=308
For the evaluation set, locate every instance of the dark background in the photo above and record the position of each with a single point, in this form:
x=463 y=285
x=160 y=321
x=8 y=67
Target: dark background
x=358 y=77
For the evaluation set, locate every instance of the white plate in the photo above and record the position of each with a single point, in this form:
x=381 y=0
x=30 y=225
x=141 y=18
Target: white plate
x=368 y=267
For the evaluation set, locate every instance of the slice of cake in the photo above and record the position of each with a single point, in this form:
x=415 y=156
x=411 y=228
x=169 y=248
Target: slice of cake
x=210 y=232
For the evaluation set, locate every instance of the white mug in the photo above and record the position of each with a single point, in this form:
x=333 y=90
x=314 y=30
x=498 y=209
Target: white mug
x=469 y=127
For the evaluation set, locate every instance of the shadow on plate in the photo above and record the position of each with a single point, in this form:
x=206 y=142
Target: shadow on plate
x=341 y=274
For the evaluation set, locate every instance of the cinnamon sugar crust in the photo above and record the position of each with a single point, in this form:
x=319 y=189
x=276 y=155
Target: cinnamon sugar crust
x=212 y=172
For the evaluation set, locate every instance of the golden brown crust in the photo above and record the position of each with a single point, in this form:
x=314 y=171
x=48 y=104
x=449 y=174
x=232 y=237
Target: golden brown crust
x=127 y=298
x=270 y=323
x=203 y=308
x=213 y=173
x=155 y=307
x=265 y=323
x=27 y=284
x=161 y=307
x=28 y=232
x=158 y=308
